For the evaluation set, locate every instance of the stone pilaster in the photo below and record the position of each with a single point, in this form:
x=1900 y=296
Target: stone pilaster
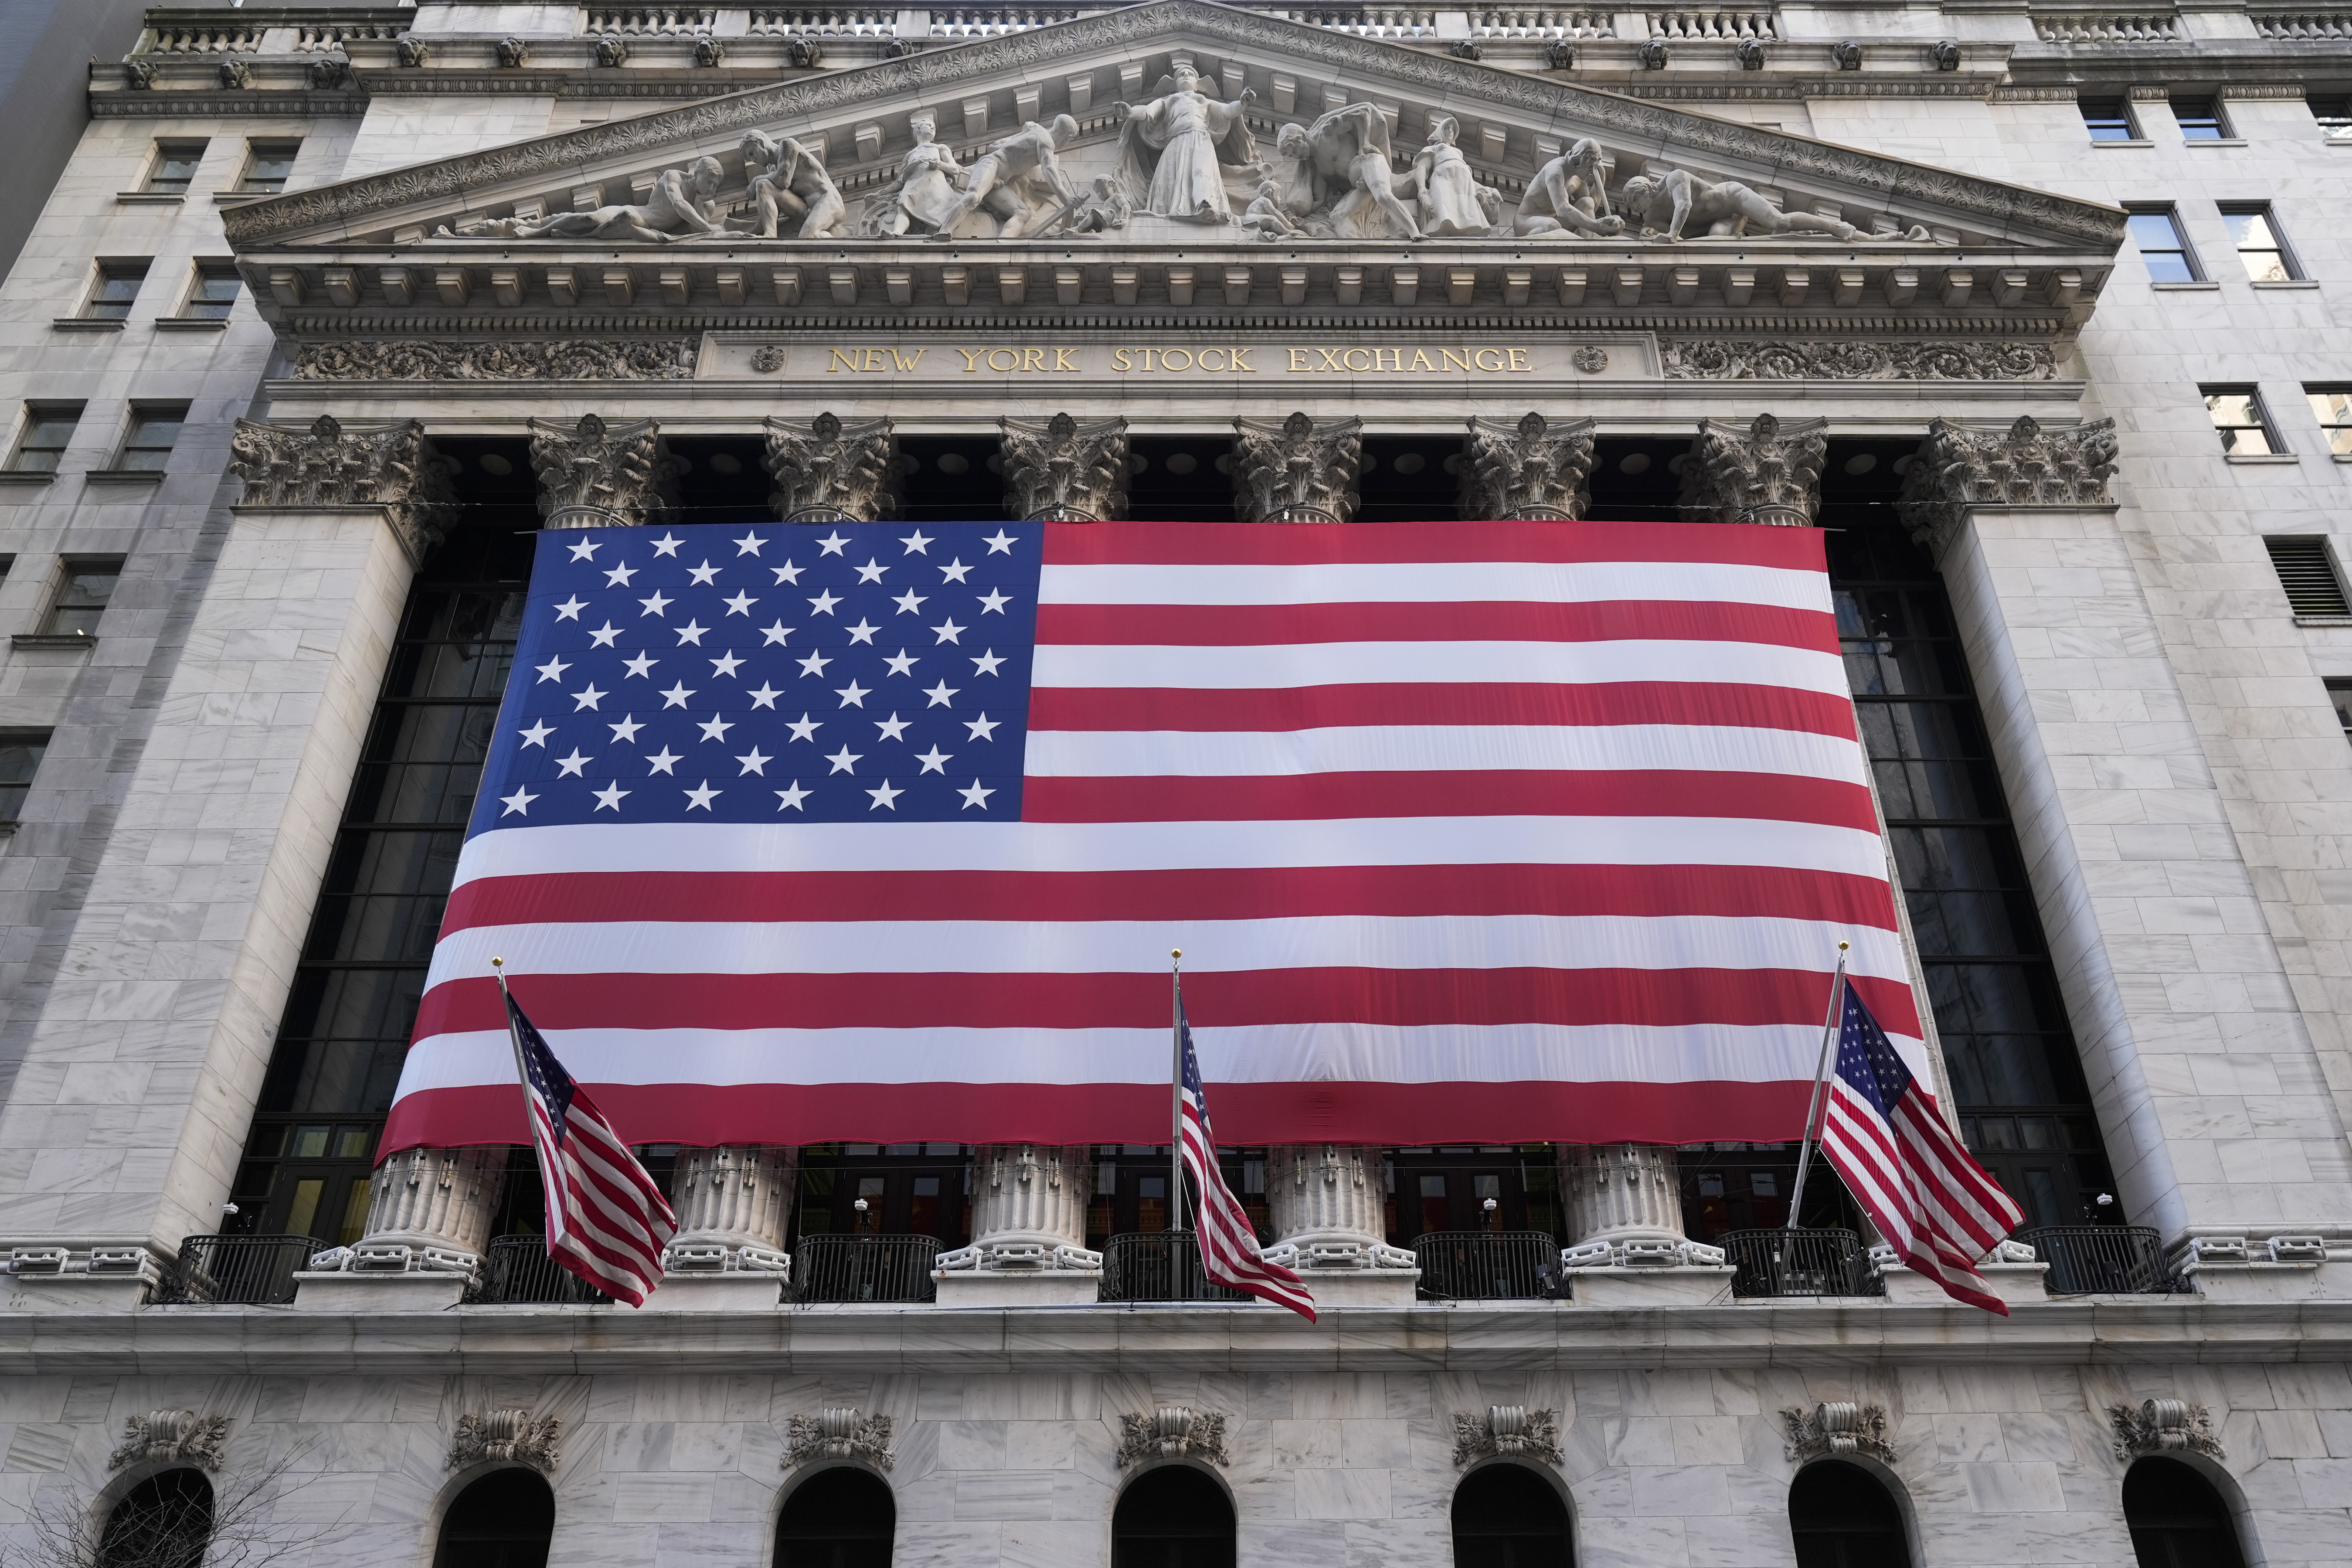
x=731 y=1204
x=1527 y=469
x=1766 y=472
x=827 y=471
x=1063 y=470
x=429 y=1211
x=1297 y=469
x=2025 y=466
x=1329 y=1203
x=594 y=475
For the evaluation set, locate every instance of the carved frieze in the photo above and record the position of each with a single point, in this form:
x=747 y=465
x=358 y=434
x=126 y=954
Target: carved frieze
x=387 y=464
x=840 y=1433
x=514 y=1436
x=1724 y=359
x=1064 y=470
x=400 y=359
x=1836 y=1429
x=1527 y=469
x=593 y=475
x=1172 y=1432
x=2163 y=1427
x=1297 y=469
x=827 y=471
x=1512 y=1431
x=1766 y=472
x=173 y=1436
x=2030 y=464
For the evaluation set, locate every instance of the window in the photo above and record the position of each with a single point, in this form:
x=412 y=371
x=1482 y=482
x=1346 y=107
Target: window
x=2339 y=692
x=1173 y=1517
x=2307 y=570
x=49 y=430
x=20 y=759
x=155 y=431
x=2260 y=247
x=1842 y=1517
x=2109 y=120
x=174 y=168
x=2177 y=1518
x=2238 y=415
x=2162 y=247
x=2332 y=406
x=2201 y=119
x=268 y=167
x=1506 y=1516
x=503 y=1520
x=82 y=594
x=118 y=286
x=837 y=1519
x=215 y=294
x=2334 y=113
x=164 y=1521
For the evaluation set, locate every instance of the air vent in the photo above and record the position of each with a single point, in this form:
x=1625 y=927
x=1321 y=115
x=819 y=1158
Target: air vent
x=2308 y=575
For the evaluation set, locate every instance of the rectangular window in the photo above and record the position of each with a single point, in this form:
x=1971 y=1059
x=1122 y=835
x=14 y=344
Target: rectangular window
x=2339 y=692
x=2238 y=415
x=2332 y=406
x=268 y=167
x=2201 y=119
x=83 y=591
x=2260 y=249
x=118 y=286
x=2107 y=119
x=49 y=430
x=2307 y=570
x=154 y=431
x=20 y=759
x=2333 y=112
x=215 y=294
x=174 y=168
x=2162 y=245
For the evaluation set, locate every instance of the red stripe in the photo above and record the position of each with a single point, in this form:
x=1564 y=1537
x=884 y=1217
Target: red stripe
x=1225 y=543
x=1207 y=894
x=1395 y=997
x=1500 y=792
x=1606 y=620
x=1467 y=703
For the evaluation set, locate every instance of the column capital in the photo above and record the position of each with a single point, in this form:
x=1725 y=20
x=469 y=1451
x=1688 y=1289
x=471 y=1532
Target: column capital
x=1766 y=472
x=1065 y=469
x=828 y=471
x=387 y=463
x=1527 y=469
x=1298 y=469
x=594 y=475
x=2028 y=465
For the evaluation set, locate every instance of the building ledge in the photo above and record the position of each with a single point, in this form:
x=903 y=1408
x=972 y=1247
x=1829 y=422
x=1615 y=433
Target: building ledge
x=124 y=475
x=191 y=323
x=2287 y=283
x=2256 y=460
x=152 y=198
x=2203 y=284
x=76 y=640
x=2134 y=142
x=2339 y=622
x=88 y=325
x=49 y=477
x=2214 y=141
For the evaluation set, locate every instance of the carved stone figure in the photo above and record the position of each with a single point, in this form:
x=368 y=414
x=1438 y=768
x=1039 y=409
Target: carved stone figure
x=1019 y=181
x=1512 y=1430
x=1265 y=217
x=683 y=203
x=1653 y=55
x=1103 y=207
x=1440 y=181
x=387 y=464
x=1766 y=472
x=173 y=1436
x=827 y=471
x=513 y=53
x=1171 y=149
x=2028 y=465
x=1834 y=1430
x=709 y=53
x=139 y=74
x=1526 y=469
x=1567 y=196
x=1847 y=53
x=1291 y=167
x=1559 y=55
x=1945 y=54
x=235 y=74
x=1172 y=1432
x=1296 y=471
x=1061 y=469
x=789 y=181
x=1349 y=151
x=611 y=49
x=803 y=52
x=1663 y=205
x=2163 y=1427
x=840 y=1433
x=412 y=50
x=1749 y=53
x=511 y=1437
x=330 y=71
x=920 y=200
x=593 y=476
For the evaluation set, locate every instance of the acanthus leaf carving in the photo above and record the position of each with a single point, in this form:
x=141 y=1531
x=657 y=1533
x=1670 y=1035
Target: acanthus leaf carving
x=173 y=1436
x=828 y=471
x=1526 y=469
x=1836 y=1429
x=388 y=464
x=1724 y=359
x=1298 y=469
x=1766 y=472
x=1510 y=1431
x=657 y=358
x=841 y=1432
x=2163 y=1427
x=1063 y=469
x=1172 y=1432
x=514 y=1436
x=2030 y=464
x=593 y=475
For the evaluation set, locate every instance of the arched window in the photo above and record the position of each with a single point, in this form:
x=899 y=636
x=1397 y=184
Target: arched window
x=1173 y=1517
x=164 y=1521
x=839 y=1518
x=503 y=1520
x=2177 y=1520
x=1506 y=1516
x=1843 y=1517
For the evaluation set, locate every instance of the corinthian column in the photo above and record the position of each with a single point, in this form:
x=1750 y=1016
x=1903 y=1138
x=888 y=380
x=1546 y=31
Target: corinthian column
x=1298 y=469
x=731 y=1204
x=1527 y=471
x=593 y=475
x=1330 y=1207
x=827 y=471
x=1768 y=472
x=1064 y=472
x=1028 y=1230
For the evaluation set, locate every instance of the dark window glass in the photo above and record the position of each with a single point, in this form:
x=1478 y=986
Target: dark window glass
x=49 y=430
x=118 y=286
x=2238 y=417
x=154 y=431
x=20 y=759
x=2201 y=119
x=2162 y=247
x=2107 y=119
x=82 y=597
x=269 y=166
x=1507 y=1517
x=2307 y=570
x=1841 y=1517
x=2177 y=1518
x=2333 y=112
x=215 y=295
x=2339 y=692
x=503 y=1520
x=837 y=1519
x=174 y=168
x=164 y=1521
x=2260 y=249
x=1173 y=1517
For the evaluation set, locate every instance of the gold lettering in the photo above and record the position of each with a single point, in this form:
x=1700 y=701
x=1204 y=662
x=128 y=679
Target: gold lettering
x=1421 y=360
x=1205 y=359
x=1063 y=361
x=1168 y=359
x=1148 y=366
x=1459 y=359
x=1119 y=361
x=1238 y=359
x=1348 y=361
x=1297 y=360
x=1379 y=363
x=904 y=363
x=970 y=361
x=1490 y=368
x=1331 y=359
x=1033 y=359
x=840 y=360
x=1011 y=359
x=1519 y=360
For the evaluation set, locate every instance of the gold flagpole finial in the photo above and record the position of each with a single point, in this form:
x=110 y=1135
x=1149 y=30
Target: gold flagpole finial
x=1175 y=953
x=1842 y=947
x=502 y=963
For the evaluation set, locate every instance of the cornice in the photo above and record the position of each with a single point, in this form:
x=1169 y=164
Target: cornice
x=225 y=103
x=1274 y=320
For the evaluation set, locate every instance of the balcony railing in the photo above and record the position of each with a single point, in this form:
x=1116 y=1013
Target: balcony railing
x=1680 y=26
x=2298 y=25
x=236 y=1270
x=1544 y=21
x=1800 y=1263
x=2104 y=1260
x=2108 y=27
x=517 y=1270
x=1487 y=1265
x=848 y=1268
x=1159 y=1265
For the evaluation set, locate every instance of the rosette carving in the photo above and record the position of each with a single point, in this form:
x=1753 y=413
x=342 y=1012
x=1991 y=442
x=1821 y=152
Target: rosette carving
x=1298 y=469
x=1527 y=469
x=827 y=471
x=1063 y=470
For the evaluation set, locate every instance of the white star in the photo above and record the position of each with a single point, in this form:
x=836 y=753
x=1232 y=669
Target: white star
x=883 y=797
x=641 y=665
x=975 y=796
x=537 y=734
x=700 y=799
x=774 y=635
x=714 y=728
x=851 y=695
x=703 y=574
x=570 y=766
x=901 y=663
x=602 y=636
x=609 y=798
x=757 y=763
x=823 y=603
x=654 y=606
x=584 y=551
x=983 y=728
x=727 y=666
x=661 y=761
x=916 y=544
x=517 y=803
x=667 y=545
x=619 y=576
x=1001 y=544
x=587 y=698
x=941 y=694
x=992 y=602
x=947 y=631
x=934 y=760
x=953 y=572
x=570 y=609
x=676 y=695
x=862 y=631
x=749 y=545
x=766 y=697
x=908 y=602
x=552 y=671
x=893 y=727
x=872 y=570
x=626 y=730
x=792 y=797
x=740 y=605
x=814 y=664
x=806 y=729
x=788 y=572
x=986 y=663
x=833 y=543
x=844 y=761
x=691 y=633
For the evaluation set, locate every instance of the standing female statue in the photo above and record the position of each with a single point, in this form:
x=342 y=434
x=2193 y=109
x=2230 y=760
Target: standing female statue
x=1170 y=150
x=926 y=191
x=1448 y=191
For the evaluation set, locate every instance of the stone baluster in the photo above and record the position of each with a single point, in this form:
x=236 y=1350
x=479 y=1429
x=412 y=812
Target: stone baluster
x=1297 y=469
x=827 y=471
x=1623 y=1206
x=1767 y=472
x=1526 y=469
x=594 y=475
x=731 y=1203
x=1329 y=1203
x=429 y=1212
x=1063 y=470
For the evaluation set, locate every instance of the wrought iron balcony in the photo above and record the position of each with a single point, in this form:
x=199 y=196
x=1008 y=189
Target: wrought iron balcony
x=1487 y=1265
x=516 y=1269
x=235 y=1270
x=1778 y=1263
x=2104 y=1260
x=1159 y=1265
x=845 y=1267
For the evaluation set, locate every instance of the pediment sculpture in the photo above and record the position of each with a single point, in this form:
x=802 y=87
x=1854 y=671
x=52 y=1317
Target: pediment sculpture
x=1172 y=150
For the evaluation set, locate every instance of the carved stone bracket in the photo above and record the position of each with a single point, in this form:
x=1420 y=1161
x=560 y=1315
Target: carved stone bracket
x=173 y=1436
x=2163 y=1427
x=1173 y=1432
x=841 y=1433
x=382 y=463
x=512 y=1436
x=1832 y=1430
x=1063 y=470
x=1768 y=473
x=2028 y=465
x=1297 y=469
x=1530 y=469
x=593 y=475
x=827 y=471
x=1509 y=1430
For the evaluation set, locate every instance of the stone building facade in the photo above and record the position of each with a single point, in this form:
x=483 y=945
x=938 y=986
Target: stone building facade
x=2028 y=304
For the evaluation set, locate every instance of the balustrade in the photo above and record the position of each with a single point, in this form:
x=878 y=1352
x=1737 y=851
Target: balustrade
x=2108 y=27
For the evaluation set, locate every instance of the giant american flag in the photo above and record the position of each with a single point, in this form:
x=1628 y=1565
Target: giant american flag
x=879 y=832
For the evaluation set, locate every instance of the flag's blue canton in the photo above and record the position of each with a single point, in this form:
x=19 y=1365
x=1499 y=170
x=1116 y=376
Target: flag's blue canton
x=553 y=1084
x=1866 y=1058
x=859 y=672
x=1191 y=1065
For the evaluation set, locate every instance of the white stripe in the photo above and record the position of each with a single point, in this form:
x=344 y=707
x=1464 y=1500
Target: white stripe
x=1391 y=747
x=1434 y=582
x=1283 y=667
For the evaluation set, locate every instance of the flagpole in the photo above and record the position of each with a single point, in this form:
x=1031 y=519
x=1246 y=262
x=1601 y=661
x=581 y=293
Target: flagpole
x=1820 y=1076
x=1176 y=1088
x=522 y=1074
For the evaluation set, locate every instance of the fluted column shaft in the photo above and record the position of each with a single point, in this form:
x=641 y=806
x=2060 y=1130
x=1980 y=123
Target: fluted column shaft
x=430 y=1209
x=732 y=1202
x=1330 y=1207
x=1623 y=1199
x=1029 y=1208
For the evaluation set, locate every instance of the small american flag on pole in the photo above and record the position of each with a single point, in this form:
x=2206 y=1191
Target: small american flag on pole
x=606 y=1221
x=1882 y=1129
x=1228 y=1243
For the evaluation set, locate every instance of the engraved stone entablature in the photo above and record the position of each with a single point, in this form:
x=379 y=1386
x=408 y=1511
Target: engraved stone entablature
x=1835 y=1430
x=2163 y=1427
x=171 y=1436
x=1527 y=468
x=656 y=359
x=593 y=475
x=507 y=1437
x=1172 y=1432
x=327 y=463
x=841 y=1432
x=1064 y=470
x=1508 y=1431
x=829 y=472
x=2030 y=464
x=1298 y=469
x=1731 y=359
x=1766 y=472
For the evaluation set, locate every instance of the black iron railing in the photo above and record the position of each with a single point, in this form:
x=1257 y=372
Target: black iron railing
x=1487 y=1265
x=841 y=1267
x=1159 y=1265
x=517 y=1269
x=242 y=1270
x=2103 y=1259
x=1801 y=1263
